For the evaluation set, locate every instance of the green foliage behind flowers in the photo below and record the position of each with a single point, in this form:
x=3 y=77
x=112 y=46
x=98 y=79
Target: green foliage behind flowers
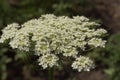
x=4 y=59
x=23 y=10
x=110 y=57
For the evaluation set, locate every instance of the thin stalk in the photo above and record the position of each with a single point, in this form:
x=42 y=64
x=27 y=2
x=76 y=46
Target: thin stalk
x=51 y=73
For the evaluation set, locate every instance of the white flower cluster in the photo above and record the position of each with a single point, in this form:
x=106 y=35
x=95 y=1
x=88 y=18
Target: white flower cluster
x=51 y=36
x=83 y=63
x=9 y=32
x=48 y=60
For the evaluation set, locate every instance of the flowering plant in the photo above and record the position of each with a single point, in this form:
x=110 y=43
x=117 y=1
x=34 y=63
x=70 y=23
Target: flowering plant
x=51 y=37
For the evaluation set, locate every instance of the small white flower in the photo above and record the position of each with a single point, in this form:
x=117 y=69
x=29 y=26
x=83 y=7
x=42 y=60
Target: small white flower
x=48 y=60
x=83 y=63
x=70 y=51
x=99 y=32
x=9 y=32
x=97 y=42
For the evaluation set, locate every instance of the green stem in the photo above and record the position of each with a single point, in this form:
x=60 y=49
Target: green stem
x=51 y=73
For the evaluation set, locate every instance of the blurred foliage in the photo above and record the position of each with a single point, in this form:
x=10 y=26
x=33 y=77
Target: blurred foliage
x=109 y=57
x=4 y=59
x=22 y=10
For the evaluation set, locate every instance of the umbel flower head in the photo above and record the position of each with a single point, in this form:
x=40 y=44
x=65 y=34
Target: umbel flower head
x=51 y=37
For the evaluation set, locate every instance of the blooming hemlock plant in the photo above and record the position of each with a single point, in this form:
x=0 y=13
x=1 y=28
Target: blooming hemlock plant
x=51 y=37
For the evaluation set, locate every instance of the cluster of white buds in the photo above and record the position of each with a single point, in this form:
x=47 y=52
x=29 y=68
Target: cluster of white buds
x=51 y=37
x=83 y=63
